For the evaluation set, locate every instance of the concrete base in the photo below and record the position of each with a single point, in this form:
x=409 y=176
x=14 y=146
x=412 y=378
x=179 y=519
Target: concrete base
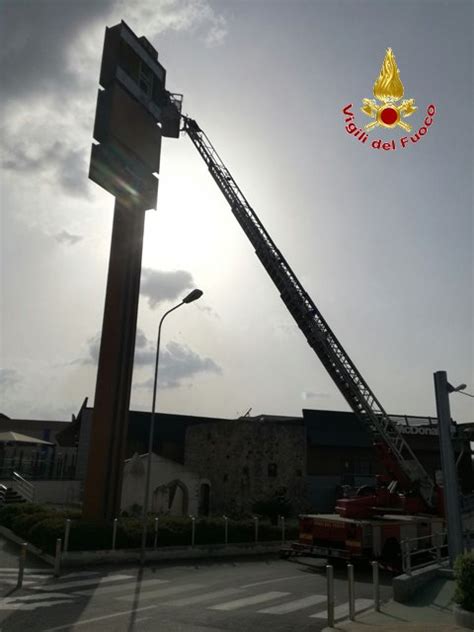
x=464 y=618
x=405 y=585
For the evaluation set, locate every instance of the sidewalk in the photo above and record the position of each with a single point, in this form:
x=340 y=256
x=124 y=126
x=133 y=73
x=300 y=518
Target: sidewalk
x=431 y=610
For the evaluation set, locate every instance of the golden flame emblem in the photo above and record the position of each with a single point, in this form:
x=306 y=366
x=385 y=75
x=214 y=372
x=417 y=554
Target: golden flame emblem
x=388 y=88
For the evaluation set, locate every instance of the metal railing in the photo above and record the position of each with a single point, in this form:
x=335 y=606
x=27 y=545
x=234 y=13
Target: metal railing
x=3 y=494
x=23 y=487
x=430 y=549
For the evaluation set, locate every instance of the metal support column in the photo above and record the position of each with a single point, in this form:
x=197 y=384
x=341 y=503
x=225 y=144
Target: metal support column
x=114 y=375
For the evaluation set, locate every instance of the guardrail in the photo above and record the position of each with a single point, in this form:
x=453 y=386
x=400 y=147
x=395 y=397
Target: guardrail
x=430 y=549
x=423 y=551
x=23 y=487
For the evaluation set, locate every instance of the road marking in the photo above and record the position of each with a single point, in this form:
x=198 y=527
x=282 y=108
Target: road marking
x=343 y=609
x=29 y=575
x=132 y=586
x=136 y=620
x=187 y=601
x=80 y=574
x=161 y=592
x=105 y=616
x=14 y=582
x=36 y=597
x=84 y=582
x=27 y=570
x=298 y=604
x=248 y=601
x=269 y=581
x=32 y=606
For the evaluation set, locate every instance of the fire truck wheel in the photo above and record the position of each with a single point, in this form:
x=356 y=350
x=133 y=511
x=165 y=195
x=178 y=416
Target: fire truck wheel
x=392 y=555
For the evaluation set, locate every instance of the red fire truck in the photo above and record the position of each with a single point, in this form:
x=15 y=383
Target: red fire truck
x=406 y=502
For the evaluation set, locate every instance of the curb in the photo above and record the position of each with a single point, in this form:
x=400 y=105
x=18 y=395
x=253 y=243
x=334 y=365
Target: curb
x=12 y=537
x=169 y=553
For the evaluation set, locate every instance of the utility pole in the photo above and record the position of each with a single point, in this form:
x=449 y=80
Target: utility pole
x=450 y=480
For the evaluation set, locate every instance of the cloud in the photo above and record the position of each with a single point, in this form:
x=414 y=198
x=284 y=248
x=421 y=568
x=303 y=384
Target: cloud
x=312 y=395
x=49 y=67
x=59 y=164
x=9 y=378
x=158 y=285
x=191 y=16
x=179 y=363
x=67 y=238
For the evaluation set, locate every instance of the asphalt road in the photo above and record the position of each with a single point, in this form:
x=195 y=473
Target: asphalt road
x=220 y=596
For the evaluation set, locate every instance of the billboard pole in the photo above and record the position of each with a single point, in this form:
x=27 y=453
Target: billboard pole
x=114 y=375
x=134 y=111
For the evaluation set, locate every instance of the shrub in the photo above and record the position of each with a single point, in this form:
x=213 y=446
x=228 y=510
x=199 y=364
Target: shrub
x=45 y=533
x=464 y=575
x=10 y=512
x=273 y=507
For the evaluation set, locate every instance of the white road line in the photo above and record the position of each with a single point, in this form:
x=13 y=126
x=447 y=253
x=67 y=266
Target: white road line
x=84 y=582
x=164 y=592
x=248 y=601
x=27 y=570
x=298 y=604
x=269 y=581
x=13 y=582
x=26 y=574
x=130 y=586
x=217 y=594
x=36 y=597
x=105 y=616
x=32 y=606
x=343 y=609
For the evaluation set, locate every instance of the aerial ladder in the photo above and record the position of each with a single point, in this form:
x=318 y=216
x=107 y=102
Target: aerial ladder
x=403 y=467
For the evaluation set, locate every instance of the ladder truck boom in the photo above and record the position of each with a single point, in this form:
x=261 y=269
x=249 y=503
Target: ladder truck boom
x=397 y=456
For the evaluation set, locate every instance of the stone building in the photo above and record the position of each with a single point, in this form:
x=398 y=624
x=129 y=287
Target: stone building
x=174 y=489
x=248 y=460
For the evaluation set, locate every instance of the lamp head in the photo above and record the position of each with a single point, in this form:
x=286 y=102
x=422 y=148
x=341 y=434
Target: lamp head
x=193 y=296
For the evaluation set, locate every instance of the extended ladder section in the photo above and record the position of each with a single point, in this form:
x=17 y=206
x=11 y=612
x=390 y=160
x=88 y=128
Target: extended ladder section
x=400 y=457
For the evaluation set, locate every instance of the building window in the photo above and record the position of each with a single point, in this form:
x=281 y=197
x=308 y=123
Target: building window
x=299 y=472
x=225 y=477
x=272 y=469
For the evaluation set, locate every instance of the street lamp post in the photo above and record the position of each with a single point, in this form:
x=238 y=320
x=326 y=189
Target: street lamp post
x=448 y=464
x=192 y=296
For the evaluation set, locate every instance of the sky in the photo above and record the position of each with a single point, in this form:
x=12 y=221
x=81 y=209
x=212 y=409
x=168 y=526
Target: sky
x=382 y=240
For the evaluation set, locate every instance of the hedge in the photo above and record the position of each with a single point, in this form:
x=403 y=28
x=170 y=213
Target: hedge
x=464 y=576
x=41 y=526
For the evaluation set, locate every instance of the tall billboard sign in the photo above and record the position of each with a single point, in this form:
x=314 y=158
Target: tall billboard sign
x=134 y=111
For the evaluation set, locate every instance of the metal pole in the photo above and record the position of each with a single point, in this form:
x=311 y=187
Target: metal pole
x=330 y=594
x=21 y=564
x=256 y=528
x=150 y=437
x=376 y=585
x=114 y=534
x=450 y=482
x=193 y=529
x=156 y=533
x=282 y=518
x=350 y=580
x=225 y=530
x=408 y=557
x=66 y=535
x=57 y=558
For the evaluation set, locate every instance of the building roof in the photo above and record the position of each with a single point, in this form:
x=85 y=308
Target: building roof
x=16 y=437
